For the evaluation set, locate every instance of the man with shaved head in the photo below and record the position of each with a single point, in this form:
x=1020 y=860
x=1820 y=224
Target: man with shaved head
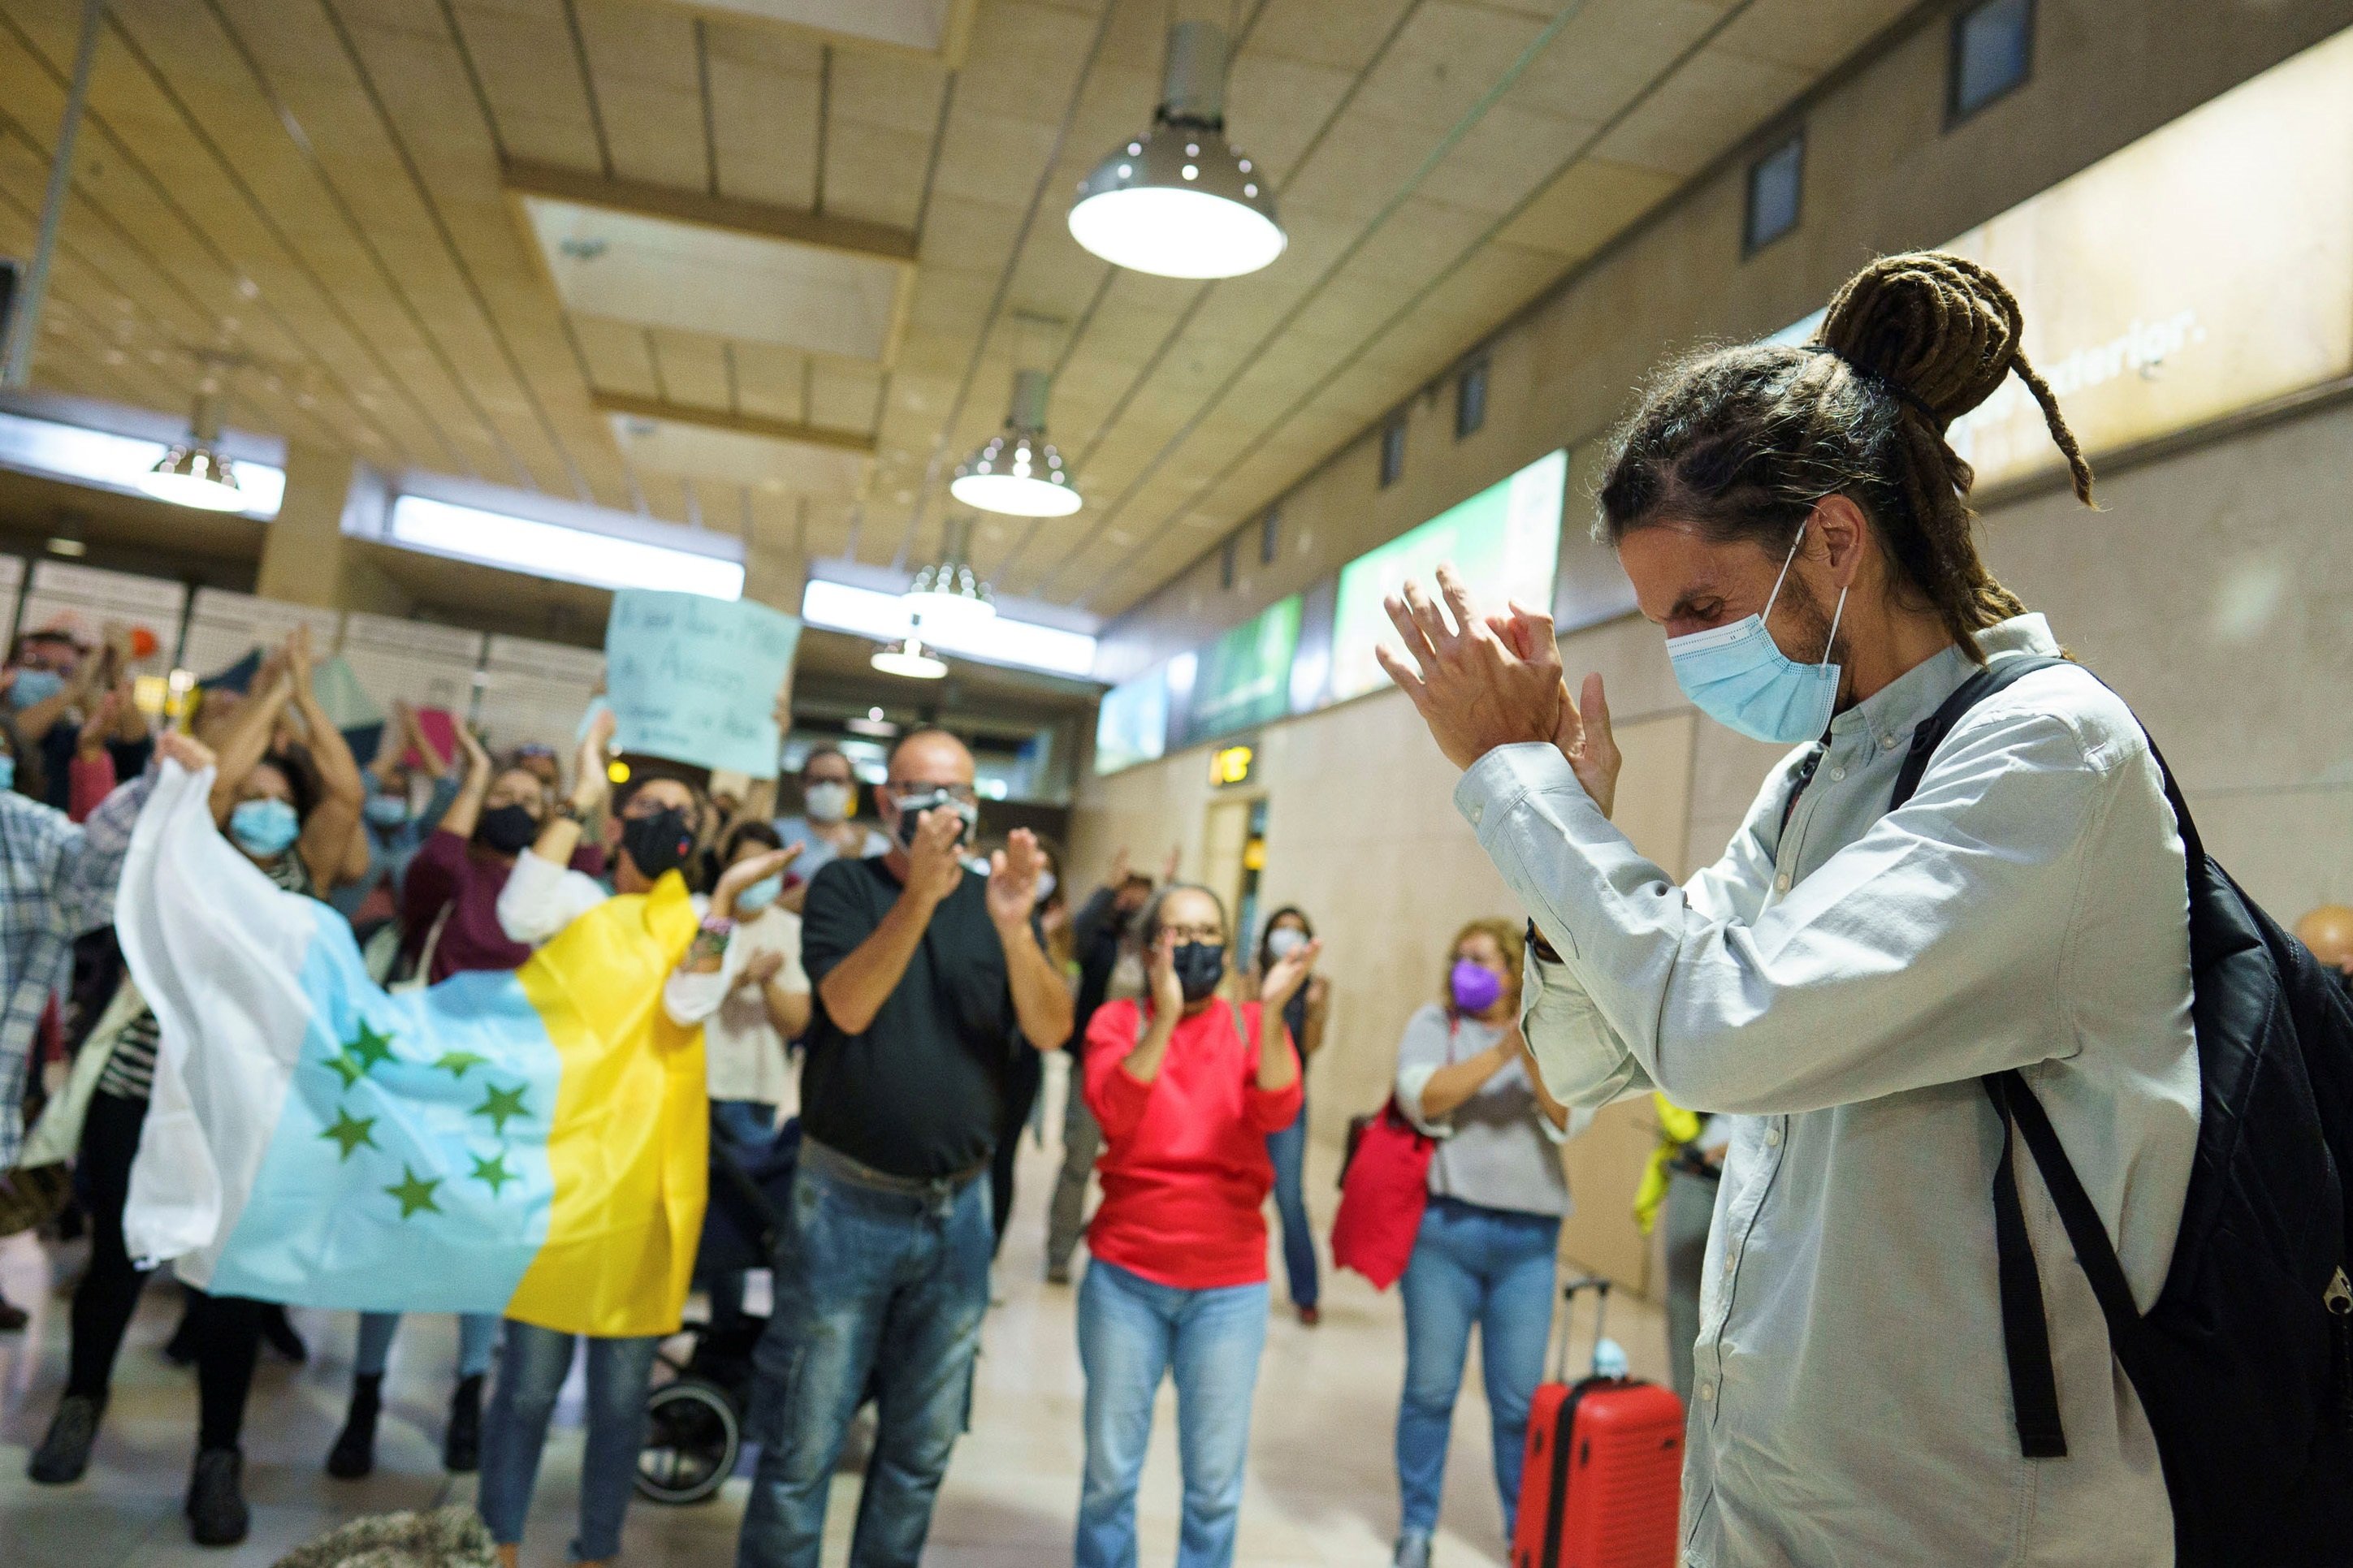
x=929 y=974
x=2328 y=932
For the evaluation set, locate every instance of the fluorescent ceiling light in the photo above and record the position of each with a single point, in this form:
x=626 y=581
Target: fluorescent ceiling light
x=909 y=659
x=868 y=613
x=1177 y=200
x=552 y=549
x=103 y=461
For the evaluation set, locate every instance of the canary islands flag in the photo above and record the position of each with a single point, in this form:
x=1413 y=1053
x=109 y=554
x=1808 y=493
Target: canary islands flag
x=529 y=1143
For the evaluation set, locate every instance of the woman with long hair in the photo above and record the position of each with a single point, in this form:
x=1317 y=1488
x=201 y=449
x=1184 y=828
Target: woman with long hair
x=1287 y=931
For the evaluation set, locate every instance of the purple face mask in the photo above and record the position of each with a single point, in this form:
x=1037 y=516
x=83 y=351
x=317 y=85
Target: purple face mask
x=1476 y=987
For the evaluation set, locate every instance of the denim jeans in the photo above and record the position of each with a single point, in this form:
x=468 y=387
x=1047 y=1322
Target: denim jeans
x=872 y=1287
x=1132 y=1334
x=478 y=1336
x=1288 y=1149
x=745 y=1131
x=533 y=1364
x=1471 y=1265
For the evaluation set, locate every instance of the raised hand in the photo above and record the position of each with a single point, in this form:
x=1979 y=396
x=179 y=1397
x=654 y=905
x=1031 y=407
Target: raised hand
x=101 y=719
x=1287 y=974
x=590 y=781
x=758 y=970
x=1472 y=689
x=934 y=867
x=1583 y=733
x=1013 y=873
x=743 y=873
x=1167 y=991
x=178 y=746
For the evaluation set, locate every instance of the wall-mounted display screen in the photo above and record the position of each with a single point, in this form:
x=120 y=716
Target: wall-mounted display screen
x=1244 y=677
x=1505 y=541
x=1131 y=723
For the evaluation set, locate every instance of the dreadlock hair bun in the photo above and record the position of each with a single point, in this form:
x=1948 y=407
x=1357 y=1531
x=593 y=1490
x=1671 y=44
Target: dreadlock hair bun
x=1745 y=442
x=1944 y=331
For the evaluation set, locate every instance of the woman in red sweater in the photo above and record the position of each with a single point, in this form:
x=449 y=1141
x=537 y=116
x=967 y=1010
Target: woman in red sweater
x=1187 y=1086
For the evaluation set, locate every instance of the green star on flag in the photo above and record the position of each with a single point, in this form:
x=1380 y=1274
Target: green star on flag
x=413 y=1194
x=456 y=1062
x=350 y=1132
x=502 y=1104
x=370 y=1047
x=350 y=1071
x=493 y=1173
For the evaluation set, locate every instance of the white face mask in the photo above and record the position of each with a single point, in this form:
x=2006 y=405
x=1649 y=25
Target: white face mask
x=826 y=802
x=1283 y=943
x=1045 y=886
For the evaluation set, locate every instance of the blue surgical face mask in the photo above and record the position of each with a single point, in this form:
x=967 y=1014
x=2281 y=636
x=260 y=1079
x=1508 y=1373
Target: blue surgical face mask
x=264 y=828
x=387 y=810
x=759 y=895
x=35 y=686
x=1738 y=676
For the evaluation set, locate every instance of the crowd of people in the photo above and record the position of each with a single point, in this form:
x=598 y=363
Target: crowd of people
x=880 y=998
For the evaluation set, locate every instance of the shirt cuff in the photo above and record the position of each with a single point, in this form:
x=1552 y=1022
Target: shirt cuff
x=1494 y=796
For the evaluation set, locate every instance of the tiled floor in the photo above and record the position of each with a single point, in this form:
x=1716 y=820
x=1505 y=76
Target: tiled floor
x=1321 y=1486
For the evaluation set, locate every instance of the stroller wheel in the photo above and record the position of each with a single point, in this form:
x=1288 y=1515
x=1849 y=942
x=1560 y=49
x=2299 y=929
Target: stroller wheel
x=692 y=1436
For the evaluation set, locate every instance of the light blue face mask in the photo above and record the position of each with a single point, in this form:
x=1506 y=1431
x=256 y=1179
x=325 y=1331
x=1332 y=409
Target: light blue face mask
x=264 y=828
x=387 y=810
x=7 y=773
x=759 y=895
x=1738 y=676
x=32 y=685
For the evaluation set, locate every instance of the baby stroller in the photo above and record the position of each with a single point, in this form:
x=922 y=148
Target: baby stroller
x=694 y=1422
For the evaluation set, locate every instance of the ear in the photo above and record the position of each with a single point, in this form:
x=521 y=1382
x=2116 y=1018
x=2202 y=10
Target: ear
x=1843 y=531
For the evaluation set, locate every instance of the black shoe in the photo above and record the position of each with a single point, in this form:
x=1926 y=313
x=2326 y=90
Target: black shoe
x=279 y=1334
x=216 y=1511
x=64 y=1454
x=461 y=1446
x=353 y=1455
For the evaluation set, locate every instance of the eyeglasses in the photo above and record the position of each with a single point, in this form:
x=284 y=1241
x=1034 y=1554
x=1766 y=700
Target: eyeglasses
x=1195 y=933
x=962 y=794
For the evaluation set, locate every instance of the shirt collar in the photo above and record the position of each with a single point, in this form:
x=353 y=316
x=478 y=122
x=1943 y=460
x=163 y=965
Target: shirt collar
x=1889 y=715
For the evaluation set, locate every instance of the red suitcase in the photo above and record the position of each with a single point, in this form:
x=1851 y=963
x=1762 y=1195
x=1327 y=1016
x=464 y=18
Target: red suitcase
x=1602 y=1483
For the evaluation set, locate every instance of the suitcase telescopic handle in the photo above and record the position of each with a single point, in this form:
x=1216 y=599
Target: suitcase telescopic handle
x=1569 y=1293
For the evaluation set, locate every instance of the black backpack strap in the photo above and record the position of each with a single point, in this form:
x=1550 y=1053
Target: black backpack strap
x=1799 y=780
x=2025 y=1337
x=1930 y=733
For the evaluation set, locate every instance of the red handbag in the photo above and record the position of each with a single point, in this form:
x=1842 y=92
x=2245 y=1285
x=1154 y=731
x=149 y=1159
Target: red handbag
x=1384 y=1190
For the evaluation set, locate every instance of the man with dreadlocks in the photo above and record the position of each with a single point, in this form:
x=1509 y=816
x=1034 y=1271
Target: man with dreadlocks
x=1794 y=519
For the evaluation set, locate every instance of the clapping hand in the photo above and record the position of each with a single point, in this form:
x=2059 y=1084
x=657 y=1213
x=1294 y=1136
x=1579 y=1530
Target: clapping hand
x=743 y=873
x=590 y=783
x=1285 y=975
x=1583 y=733
x=1013 y=873
x=1167 y=991
x=933 y=869
x=174 y=745
x=1471 y=687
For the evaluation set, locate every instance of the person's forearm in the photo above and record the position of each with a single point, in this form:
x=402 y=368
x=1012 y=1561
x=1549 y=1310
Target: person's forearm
x=35 y=722
x=1143 y=1064
x=556 y=841
x=1042 y=1002
x=1278 y=1066
x=244 y=744
x=339 y=771
x=1554 y=1111
x=1311 y=1037
x=1450 y=1085
x=789 y=1011
x=855 y=989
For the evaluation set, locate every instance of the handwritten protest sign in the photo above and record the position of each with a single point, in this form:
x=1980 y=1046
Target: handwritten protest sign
x=694 y=680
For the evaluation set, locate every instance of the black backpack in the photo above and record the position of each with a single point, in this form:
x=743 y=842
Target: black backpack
x=2244 y=1365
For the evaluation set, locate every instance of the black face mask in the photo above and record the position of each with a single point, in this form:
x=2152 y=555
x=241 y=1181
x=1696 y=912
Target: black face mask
x=1200 y=966
x=911 y=810
x=507 y=829
x=657 y=843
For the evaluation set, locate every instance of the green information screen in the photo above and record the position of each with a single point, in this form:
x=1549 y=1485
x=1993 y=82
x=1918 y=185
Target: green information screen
x=1244 y=677
x=1132 y=725
x=1505 y=541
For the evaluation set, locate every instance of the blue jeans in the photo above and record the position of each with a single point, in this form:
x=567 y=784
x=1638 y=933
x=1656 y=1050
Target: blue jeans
x=872 y=1287
x=1288 y=1149
x=477 y=1335
x=1471 y=1265
x=747 y=1128
x=533 y=1363
x=1132 y=1334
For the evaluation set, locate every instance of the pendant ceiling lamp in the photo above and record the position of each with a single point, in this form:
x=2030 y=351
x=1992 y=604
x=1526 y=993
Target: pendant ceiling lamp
x=194 y=473
x=1177 y=200
x=1018 y=472
x=910 y=660
x=946 y=596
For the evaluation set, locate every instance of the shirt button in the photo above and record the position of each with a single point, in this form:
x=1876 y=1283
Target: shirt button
x=1772 y=1137
x=1730 y=1263
x=1837 y=775
x=1478 y=813
x=1887 y=742
x=1707 y=1392
x=1781 y=882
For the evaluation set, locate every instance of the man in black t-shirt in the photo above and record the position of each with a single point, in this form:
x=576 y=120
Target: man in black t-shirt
x=927 y=977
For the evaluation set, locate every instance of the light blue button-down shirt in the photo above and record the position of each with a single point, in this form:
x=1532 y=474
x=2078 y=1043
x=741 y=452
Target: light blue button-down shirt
x=1840 y=984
